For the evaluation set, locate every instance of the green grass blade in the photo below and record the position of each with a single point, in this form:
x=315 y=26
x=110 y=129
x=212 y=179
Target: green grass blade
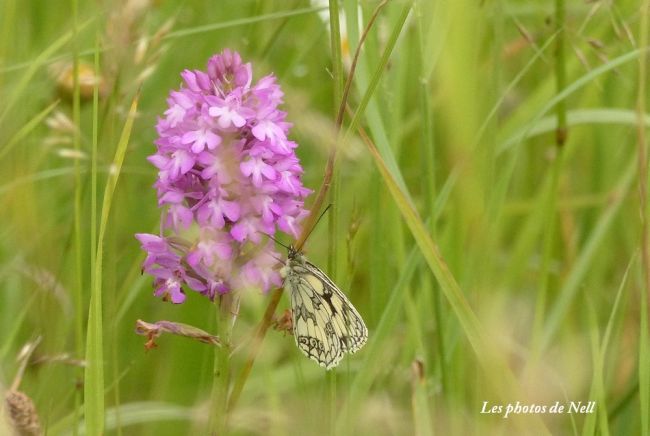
x=490 y=361
x=599 y=354
x=589 y=425
x=242 y=22
x=573 y=87
x=370 y=90
x=142 y=412
x=11 y=336
x=422 y=419
x=624 y=117
x=373 y=350
x=94 y=375
x=26 y=129
x=34 y=66
x=571 y=285
x=644 y=365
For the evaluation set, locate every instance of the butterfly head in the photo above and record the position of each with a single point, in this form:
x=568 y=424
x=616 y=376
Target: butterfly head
x=292 y=252
x=294 y=256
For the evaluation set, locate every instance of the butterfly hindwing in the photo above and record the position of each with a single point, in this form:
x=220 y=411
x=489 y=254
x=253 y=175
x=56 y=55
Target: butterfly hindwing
x=349 y=325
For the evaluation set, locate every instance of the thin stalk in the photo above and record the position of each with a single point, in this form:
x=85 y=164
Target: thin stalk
x=94 y=377
x=329 y=168
x=6 y=32
x=643 y=150
x=274 y=300
x=560 y=72
x=276 y=33
x=337 y=71
x=330 y=378
x=549 y=206
x=644 y=347
x=332 y=263
x=94 y=388
x=76 y=143
x=374 y=82
x=260 y=332
x=335 y=44
x=93 y=168
x=491 y=361
x=429 y=180
x=353 y=67
x=551 y=201
x=49 y=58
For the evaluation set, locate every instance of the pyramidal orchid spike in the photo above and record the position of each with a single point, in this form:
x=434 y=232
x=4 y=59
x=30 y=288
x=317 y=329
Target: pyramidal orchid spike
x=227 y=175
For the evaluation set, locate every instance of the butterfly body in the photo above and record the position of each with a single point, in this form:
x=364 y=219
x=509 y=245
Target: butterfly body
x=325 y=324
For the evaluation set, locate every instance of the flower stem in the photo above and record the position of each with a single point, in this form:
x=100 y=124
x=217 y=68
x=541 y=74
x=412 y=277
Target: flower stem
x=266 y=321
x=255 y=347
x=226 y=316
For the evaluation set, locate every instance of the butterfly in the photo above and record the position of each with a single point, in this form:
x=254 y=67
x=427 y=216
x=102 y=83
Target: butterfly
x=325 y=324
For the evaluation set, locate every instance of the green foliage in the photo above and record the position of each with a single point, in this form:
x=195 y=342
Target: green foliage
x=489 y=262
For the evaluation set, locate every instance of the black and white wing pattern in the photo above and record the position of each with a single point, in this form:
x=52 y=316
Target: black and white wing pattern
x=325 y=324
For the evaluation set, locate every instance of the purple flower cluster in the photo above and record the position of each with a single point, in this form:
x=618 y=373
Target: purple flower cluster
x=227 y=177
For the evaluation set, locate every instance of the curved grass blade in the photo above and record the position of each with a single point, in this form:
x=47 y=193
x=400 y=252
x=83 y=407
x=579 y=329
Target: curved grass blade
x=487 y=356
x=36 y=65
x=26 y=129
x=94 y=374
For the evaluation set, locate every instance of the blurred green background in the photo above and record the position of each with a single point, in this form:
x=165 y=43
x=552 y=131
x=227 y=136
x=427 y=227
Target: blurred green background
x=545 y=298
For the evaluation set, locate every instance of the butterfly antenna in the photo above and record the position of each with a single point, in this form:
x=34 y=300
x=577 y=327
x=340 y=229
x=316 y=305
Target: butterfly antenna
x=318 y=220
x=275 y=240
x=279 y=259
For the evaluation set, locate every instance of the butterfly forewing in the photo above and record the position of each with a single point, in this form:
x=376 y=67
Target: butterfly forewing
x=325 y=323
x=314 y=336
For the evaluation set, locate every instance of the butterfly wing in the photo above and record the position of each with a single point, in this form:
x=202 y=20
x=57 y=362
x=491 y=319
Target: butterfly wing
x=312 y=327
x=325 y=323
x=347 y=323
